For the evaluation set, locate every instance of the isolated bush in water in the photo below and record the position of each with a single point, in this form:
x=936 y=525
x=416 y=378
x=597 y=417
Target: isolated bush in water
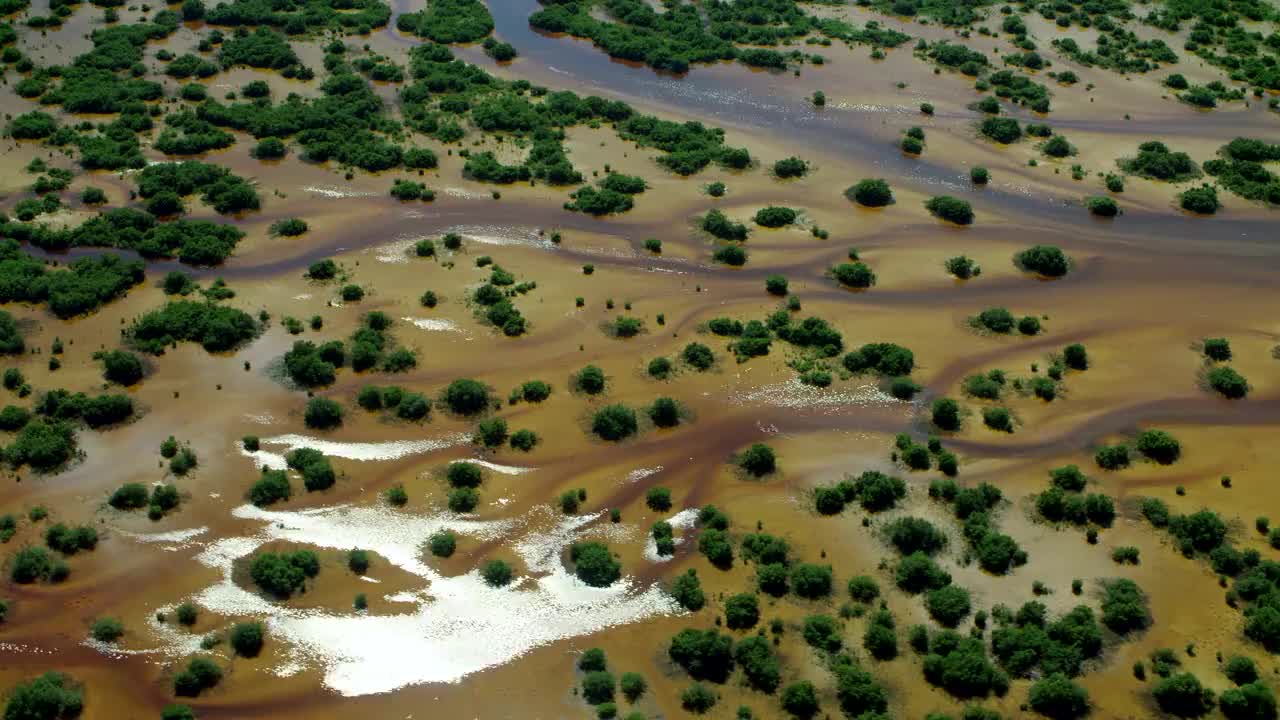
x=465 y=396
x=1046 y=260
x=854 y=275
x=871 y=192
x=950 y=209
x=614 y=422
x=758 y=460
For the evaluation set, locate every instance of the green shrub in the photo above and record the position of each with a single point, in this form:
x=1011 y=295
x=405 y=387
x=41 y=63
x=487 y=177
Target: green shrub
x=1159 y=445
x=1228 y=382
x=1057 y=697
x=948 y=605
x=614 y=422
x=466 y=396
x=719 y=225
x=757 y=460
x=664 y=412
x=51 y=696
x=282 y=574
x=871 y=192
x=1202 y=200
x=247 y=638
x=1182 y=695
x=106 y=630
x=323 y=413
x=950 y=209
x=1102 y=206
x=491 y=432
x=946 y=414
x=854 y=275
x=497 y=573
x=272 y=486
x=443 y=543
x=997 y=320
x=698 y=356
x=120 y=367
x=1001 y=129
x=1045 y=260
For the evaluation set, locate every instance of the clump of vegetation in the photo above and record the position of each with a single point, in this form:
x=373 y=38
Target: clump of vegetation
x=950 y=209
x=1202 y=200
x=871 y=192
x=1045 y=260
x=51 y=696
x=1156 y=161
x=282 y=574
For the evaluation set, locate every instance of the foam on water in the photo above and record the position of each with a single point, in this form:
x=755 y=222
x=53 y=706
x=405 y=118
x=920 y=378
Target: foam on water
x=504 y=469
x=503 y=235
x=433 y=324
x=456 y=626
x=463 y=193
x=174 y=540
x=362 y=451
x=795 y=394
x=334 y=192
x=642 y=473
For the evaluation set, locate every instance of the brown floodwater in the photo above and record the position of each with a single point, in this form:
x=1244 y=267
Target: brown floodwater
x=1145 y=288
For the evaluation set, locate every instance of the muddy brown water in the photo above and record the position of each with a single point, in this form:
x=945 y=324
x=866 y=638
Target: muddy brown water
x=1145 y=287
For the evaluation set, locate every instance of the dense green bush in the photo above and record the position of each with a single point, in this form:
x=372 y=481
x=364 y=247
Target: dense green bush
x=1183 y=695
x=1102 y=206
x=664 y=412
x=917 y=573
x=886 y=359
x=704 y=654
x=497 y=573
x=1228 y=382
x=871 y=192
x=950 y=209
x=719 y=225
x=216 y=327
x=465 y=396
x=1046 y=260
x=1159 y=446
x=51 y=696
x=1112 y=457
x=759 y=664
x=449 y=21
x=42 y=444
x=1001 y=129
x=698 y=356
x=912 y=534
x=948 y=605
x=201 y=674
x=775 y=217
x=854 y=275
x=946 y=414
x=1202 y=200
x=272 y=486
x=323 y=413
x=282 y=574
x=594 y=564
x=1057 y=697
x=247 y=638
x=1124 y=607
x=614 y=422
x=687 y=591
x=757 y=460
x=1155 y=161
